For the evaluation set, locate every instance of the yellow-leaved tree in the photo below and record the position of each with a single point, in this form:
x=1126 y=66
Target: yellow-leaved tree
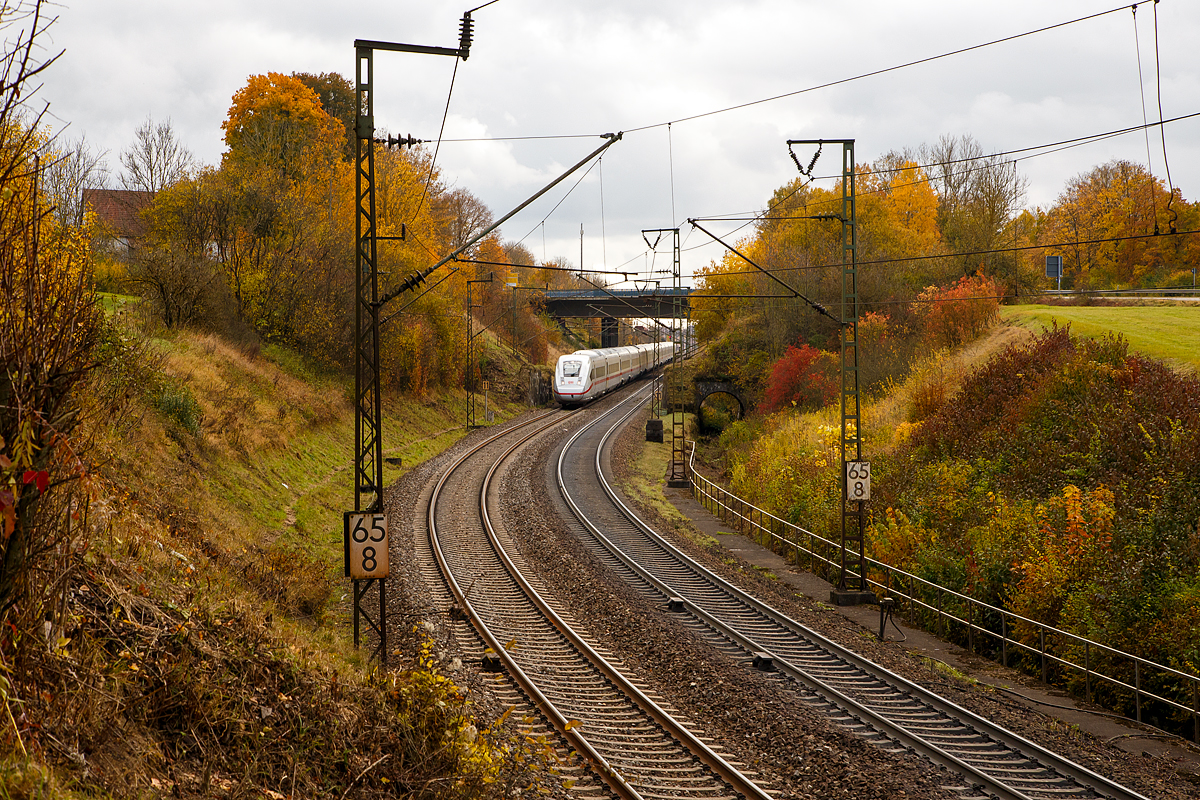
x=1120 y=202
x=265 y=241
x=276 y=121
x=263 y=244
x=49 y=325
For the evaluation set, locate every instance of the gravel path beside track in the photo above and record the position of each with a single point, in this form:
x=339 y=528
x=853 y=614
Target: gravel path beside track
x=761 y=722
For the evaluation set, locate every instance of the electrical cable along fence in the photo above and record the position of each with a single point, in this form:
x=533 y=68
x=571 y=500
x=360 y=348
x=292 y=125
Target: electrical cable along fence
x=1140 y=689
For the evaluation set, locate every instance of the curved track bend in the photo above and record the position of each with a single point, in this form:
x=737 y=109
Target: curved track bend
x=858 y=694
x=635 y=746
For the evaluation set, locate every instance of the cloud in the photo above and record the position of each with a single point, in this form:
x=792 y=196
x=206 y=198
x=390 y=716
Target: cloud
x=541 y=67
x=484 y=166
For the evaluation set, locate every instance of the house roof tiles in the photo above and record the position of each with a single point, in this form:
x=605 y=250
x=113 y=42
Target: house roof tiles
x=119 y=209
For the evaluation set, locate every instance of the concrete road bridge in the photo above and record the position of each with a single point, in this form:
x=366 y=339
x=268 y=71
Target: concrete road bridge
x=611 y=305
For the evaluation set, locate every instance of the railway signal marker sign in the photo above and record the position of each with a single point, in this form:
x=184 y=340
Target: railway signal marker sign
x=365 y=536
x=858 y=480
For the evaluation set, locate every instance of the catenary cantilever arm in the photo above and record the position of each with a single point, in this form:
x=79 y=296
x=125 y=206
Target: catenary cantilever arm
x=815 y=306
x=418 y=277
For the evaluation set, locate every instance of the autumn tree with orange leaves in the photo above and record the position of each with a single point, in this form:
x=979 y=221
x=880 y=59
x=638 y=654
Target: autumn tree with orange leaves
x=276 y=121
x=274 y=225
x=799 y=241
x=1122 y=202
x=271 y=222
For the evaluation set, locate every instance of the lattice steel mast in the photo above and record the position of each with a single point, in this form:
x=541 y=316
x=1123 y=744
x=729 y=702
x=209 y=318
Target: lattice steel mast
x=676 y=382
x=368 y=455
x=852 y=581
x=679 y=322
x=368 y=411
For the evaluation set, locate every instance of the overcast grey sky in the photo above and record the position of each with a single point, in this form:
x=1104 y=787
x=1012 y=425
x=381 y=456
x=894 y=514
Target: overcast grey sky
x=551 y=67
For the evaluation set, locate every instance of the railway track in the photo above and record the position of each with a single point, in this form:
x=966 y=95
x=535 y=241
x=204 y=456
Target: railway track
x=635 y=745
x=894 y=713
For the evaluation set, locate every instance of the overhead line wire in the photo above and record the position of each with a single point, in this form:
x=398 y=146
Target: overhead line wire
x=1075 y=141
x=1163 y=131
x=441 y=130
x=1137 y=44
x=815 y=306
x=959 y=51
x=523 y=138
x=827 y=85
x=1047 y=246
x=1069 y=143
x=1049 y=148
x=559 y=203
x=885 y=69
x=603 y=232
x=671 y=163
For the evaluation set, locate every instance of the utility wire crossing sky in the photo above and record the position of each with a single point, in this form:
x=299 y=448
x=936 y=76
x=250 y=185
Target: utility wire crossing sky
x=707 y=93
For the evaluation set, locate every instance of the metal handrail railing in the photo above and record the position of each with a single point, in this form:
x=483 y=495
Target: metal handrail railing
x=979 y=619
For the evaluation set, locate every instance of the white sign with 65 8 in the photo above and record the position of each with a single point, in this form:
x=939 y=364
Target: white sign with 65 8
x=858 y=480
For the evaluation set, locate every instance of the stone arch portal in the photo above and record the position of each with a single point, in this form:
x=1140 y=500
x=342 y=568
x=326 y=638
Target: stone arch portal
x=706 y=387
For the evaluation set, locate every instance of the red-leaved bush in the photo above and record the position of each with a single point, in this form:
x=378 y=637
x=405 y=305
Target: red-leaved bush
x=958 y=313
x=802 y=377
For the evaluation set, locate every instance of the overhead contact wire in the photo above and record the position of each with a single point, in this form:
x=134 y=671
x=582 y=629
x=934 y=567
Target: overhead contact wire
x=671 y=164
x=993 y=251
x=873 y=73
x=603 y=233
x=441 y=130
x=1163 y=131
x=1145 y=118
x=1048 y=148
x=819 y=86
x=556 y=205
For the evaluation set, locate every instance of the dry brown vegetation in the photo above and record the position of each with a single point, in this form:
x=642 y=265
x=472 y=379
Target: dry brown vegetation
x=188 y=648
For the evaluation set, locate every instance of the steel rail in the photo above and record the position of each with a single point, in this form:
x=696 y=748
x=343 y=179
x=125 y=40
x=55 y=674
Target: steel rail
x=572 y=734
x=846 y=703
x=744 y=514
x=712 y=760
x=723 y=772
x=1082 y=776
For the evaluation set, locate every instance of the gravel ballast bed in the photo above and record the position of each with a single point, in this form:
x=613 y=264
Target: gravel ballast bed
x=1152 y=777
x=752 y=716
x=756 y=718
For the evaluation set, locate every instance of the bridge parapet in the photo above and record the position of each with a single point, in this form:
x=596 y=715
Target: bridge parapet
x=622 y=303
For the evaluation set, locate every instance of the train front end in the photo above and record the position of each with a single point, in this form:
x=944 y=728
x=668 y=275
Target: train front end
x=571 y=381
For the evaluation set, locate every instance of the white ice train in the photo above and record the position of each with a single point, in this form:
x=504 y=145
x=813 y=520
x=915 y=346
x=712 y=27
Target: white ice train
x=586 y=374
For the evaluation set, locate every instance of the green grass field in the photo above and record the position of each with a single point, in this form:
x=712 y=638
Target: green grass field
x=1171 y=333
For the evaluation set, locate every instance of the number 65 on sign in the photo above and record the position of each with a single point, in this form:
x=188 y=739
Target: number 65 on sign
x=858 y=480
x=365 y=539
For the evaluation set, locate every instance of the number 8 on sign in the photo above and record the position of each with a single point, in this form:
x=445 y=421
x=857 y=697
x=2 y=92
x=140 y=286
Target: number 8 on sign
x=366 y=545
x=858 y=480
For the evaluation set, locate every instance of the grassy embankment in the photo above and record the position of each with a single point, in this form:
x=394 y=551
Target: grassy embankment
x=1056 y=476
x=203 y=650
x=1169 y=332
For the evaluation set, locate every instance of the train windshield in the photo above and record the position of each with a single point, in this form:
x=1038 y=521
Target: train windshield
x=571 y=369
